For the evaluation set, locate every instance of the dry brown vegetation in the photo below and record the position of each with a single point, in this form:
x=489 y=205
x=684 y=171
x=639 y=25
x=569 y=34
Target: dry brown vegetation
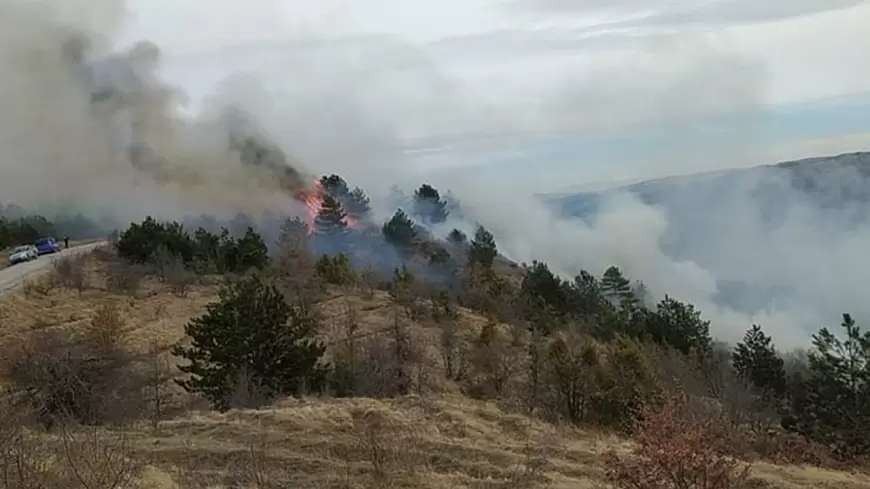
x=432 y=435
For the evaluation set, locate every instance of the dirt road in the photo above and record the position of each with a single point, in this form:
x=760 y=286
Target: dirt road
x=15 y=275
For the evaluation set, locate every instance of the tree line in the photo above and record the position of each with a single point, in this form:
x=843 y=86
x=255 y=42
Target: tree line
x=581 y=324
x=586 y=350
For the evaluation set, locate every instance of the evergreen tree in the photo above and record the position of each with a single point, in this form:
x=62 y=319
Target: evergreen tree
x=331 y=234
x=617 y=289
x=543 y=289
x=250 y=331
x=253 y=252
x=680 y=326
x=293 y=227
x=457 y=237
x=834 y=405
x=756 y=362
x=429 y=206
x=483 y=249
x=358 y=204
x=335 y=186
x=586 y=294
x=400 y=231
x=331 y=220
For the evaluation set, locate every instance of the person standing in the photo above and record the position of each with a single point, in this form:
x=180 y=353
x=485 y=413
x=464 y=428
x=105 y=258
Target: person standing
x=66 y=242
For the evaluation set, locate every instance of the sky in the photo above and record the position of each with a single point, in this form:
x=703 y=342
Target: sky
x=556 y=93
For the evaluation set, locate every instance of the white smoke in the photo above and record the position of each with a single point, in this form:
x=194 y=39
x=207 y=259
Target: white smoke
x=381 y=111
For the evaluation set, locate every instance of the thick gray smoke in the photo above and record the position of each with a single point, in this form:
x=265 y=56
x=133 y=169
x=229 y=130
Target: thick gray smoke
x=380 y=111
x=89 y=127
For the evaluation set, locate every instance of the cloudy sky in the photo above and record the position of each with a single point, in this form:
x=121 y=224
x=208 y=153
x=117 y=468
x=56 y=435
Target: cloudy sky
x=586 y=90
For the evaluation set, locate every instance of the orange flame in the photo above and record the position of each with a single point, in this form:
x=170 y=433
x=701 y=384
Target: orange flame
x=312 y=197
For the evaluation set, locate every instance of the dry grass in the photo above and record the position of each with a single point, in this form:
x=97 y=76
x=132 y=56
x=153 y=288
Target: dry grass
x=152 y=313
x=449 y=442
x=439 y=440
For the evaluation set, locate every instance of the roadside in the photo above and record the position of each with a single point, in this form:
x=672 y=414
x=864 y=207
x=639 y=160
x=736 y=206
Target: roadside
x=4 y=252
x=11 y=277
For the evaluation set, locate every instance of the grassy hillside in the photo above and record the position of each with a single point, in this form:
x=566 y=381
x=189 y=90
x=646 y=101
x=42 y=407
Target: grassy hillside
x=434 y=437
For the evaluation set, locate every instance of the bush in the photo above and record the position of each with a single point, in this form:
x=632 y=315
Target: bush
x=141 y=243
x=125 y=278
x=85 y=377
x=251 y=333
x=335 y=270
x=69 y=272
x=676 y=450
x=166 y=245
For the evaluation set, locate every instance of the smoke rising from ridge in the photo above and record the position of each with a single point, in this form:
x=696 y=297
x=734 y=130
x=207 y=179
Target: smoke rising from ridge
x=380 y=111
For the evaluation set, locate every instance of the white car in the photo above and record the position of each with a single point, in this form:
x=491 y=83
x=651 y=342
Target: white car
x=23 y=253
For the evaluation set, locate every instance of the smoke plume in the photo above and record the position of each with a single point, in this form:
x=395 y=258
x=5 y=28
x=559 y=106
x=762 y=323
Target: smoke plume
x=87 y=125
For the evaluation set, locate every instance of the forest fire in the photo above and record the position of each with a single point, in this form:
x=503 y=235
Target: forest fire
x=313 y=197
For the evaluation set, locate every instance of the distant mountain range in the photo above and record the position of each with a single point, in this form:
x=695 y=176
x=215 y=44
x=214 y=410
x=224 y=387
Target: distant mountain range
x=827 y=182
x=769 y=215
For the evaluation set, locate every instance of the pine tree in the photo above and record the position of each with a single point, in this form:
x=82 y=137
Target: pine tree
x=335 y=186
x=457 y=237
x=293 y=228
x=586 y=294
x=679 y=325
x=617 y=289
x=253 y=252
x=358 y=204
x=543 y=289
x=400 y=231
x=250 y=331
x=331 y=220
x=834 y=407
x=483 y=249
x=757 y=363
x=429 y=206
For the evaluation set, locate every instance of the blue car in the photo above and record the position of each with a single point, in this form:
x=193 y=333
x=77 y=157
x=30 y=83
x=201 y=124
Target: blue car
x=47 y=245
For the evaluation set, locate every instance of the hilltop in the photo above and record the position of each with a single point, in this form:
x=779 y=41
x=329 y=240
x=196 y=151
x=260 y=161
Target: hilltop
x=737 y=225
x=832 y=182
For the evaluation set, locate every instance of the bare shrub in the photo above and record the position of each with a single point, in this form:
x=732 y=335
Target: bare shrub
x=38 y=287
x=157 y=374
x=69 y=272
x=391 y=448
x=370 y=279
x=178 y=278
x=529 y=472
x=107 y=330
x=102 y=254
x=94 y=459
x=388 y=364
x=61 y=375
x=23 y=464
x=571 y=370
x=346 y=355
x=677 y=449
x=454 y=352
x=496 y=361
x=293 y=270
x=123 y=277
